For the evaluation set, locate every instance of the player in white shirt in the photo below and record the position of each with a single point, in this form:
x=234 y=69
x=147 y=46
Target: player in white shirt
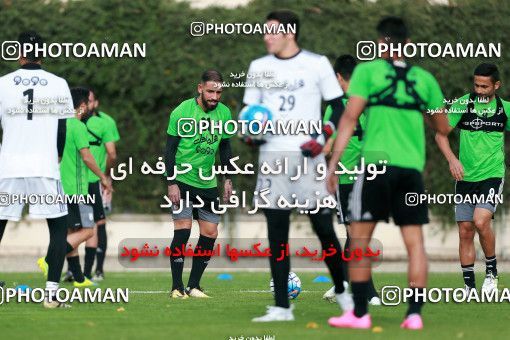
x=305 y=79
x=33 y=107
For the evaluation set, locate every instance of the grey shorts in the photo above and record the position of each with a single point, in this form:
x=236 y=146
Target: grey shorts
x=481 y=194
x=208 y=197
x=188 y=213
x=80 y=215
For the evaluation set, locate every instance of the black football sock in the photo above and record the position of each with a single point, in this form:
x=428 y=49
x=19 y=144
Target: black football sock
x=491 y=265
x=468 y=273
x=69 y=247
x=360 y=297
x=3 y=223
x=416 y=301
x=181 y=236
x=101 y=247
x=372 y=292
x=90 y=255
x=200 y=262
x=278 y=223
x=347 y=255
x=74 y=267
x=322 y=223
x=55 y=257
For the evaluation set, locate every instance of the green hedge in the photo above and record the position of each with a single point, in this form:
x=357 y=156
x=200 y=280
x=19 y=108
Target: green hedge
x=140 y=93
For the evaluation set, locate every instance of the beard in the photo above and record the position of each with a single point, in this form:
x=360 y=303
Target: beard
x=210 y=105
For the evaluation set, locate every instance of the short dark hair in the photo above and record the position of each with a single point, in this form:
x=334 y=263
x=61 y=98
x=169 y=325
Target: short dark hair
x=91 y=89
x=80 y=95
x=393 y=28
x=285 y=17
x=487 y=70
x=344 y=65
x=212 y=75
x=31 y=38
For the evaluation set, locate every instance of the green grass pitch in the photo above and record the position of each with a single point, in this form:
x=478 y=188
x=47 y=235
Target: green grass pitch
x=151 y=314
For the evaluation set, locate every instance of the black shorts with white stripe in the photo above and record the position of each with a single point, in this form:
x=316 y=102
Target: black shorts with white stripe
x=95 y=189
x=481 y=194
x=394 y=193
x=344 y=190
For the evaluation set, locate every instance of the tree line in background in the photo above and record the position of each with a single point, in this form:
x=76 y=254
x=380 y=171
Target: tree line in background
x=140 y=93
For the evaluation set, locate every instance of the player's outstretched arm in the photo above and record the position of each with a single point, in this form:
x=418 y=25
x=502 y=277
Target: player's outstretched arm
x=439 y=122
x=111 y=157
x=456 y=168
x=90 y=162
x=61 y=137
x=172 y=143
x=346 y=126
x=225 y=151
x=328 y=146
x=337 y=109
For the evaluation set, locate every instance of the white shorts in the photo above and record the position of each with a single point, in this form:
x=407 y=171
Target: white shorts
x=311 y=186
x=38 y=192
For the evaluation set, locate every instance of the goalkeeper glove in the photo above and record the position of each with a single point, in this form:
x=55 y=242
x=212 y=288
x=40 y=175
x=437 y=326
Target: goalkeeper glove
x=314 y=146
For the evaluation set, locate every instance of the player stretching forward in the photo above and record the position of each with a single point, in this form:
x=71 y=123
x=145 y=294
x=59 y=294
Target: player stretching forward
x=198 y=150
x=30 y=151
x=73 y=167
x=343 y=67
x=105 y=154
x=102 y=140
x=482 y=118
x=308 y=78
x=108 y=161
x=394 y=96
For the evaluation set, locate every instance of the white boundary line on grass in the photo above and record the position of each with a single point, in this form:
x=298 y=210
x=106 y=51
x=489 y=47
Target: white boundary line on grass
x=149 y=291
x=239 y=291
